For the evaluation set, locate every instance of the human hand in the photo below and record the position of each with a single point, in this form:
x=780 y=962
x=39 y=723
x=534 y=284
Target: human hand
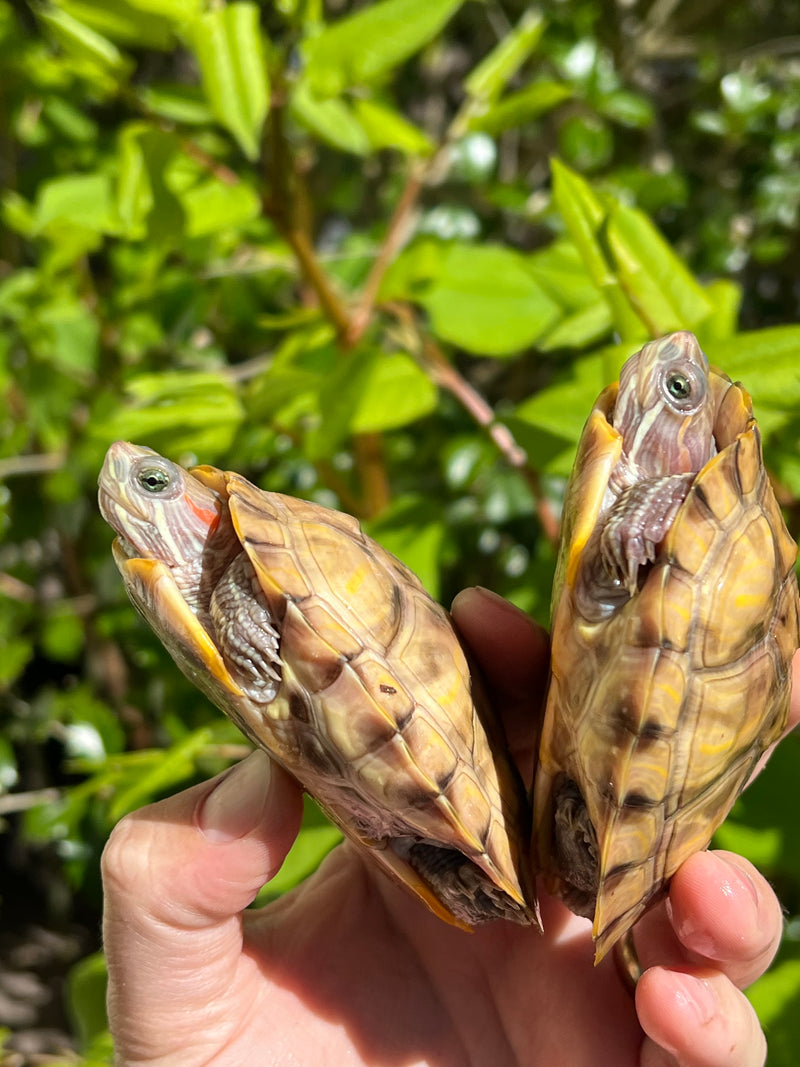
x=349 y=968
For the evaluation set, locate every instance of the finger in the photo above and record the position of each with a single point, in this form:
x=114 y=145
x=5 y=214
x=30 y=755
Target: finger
x=176 y=876
x=511 y=649
x=720 y=912
x=696 y=1019
x=512 y=652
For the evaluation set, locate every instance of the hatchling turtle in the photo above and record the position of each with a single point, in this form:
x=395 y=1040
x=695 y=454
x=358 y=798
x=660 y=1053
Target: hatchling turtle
x=675 y=617
x=326 y=650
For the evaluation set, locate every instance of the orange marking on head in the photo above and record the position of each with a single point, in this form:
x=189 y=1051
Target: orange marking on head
x=208 y=516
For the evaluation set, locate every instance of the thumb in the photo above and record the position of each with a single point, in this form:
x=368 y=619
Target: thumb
x=176 y=877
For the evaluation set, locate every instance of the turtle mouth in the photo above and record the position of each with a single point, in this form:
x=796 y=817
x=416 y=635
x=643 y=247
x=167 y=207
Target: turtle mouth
x=123 y=550
x=116 y=508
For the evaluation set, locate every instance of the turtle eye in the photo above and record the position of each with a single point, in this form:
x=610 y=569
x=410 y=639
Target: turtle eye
x=683 y=389
x=153 y=479
x=678 y=386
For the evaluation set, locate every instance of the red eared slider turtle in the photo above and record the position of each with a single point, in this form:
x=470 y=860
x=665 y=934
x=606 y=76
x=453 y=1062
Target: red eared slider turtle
x=675 y=617
x=326 y=651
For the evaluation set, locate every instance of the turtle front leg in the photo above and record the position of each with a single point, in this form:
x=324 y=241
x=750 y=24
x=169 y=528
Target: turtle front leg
x=637 y=523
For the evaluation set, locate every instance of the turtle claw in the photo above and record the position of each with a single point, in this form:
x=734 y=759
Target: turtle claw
x=637 y=524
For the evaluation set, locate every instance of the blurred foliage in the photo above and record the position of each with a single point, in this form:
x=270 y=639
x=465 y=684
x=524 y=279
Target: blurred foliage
x=327 y=248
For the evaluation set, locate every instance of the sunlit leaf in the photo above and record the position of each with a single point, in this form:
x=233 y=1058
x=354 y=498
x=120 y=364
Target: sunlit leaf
x=316 y=839
x=175 y=413
x=360 y=48
x=492 y=74
x=331 y=119
x=228 y=46
x=657 y=282
x=469 y=308
x=385 y=127
x=518 y=108
x=585 y=214
x=82 y=40
x=414 y=535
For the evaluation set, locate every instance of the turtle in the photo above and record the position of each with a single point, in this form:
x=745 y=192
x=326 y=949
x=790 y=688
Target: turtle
x=674 y=622
x=326 y=651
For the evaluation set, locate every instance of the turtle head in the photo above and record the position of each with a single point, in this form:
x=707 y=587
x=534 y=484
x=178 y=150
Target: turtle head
x=665 y=407
x=158 y=510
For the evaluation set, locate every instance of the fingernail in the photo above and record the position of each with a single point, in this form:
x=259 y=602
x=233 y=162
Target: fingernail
x=236 y=805
x=736 y=881
x=481 y=592
x=697 y=995
x=737 y=890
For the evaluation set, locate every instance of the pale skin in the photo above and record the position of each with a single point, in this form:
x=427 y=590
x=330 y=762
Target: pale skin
x=351 y=970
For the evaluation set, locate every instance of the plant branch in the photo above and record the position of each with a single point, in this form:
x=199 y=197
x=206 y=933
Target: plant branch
x=444 y=374
x=435 y=165
x=394 y=240
x=280 y=205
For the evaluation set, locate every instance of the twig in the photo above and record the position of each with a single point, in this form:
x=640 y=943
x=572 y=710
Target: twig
x=40 y=463
x=280 y=205
x=445 y=374
x=369 y=457
x=12 y=802
x=396 y=235
x=14 y=589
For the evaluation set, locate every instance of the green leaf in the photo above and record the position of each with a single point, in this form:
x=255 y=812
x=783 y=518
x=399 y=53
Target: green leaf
x=148 y=203
x=176 y=413
x=492 y=74
x=518 y=108
x=655 y=279
x=176 y=765
x=63 y=635
x=586 y=140
x=561 y=272
x=628 y=109
x=185 y=104
x=87 y=983
x=177 y=11
x=393 y=392
x=316 y=839
x=776 y=999
x=137 y=23
x=82 y=41
x=361 y=48
x=227 y=43
x=580 y=329
x=484 y=300
x=68 y=336
x=331 y=119
x=725 y=297
x=414 y=270
x=370 y=391
x=412 y=532
x=563 y=407
x=69 y=121
x=386 y=128
x=766 y=361
x=213 y=205
x=77 y=199
x=584 y=215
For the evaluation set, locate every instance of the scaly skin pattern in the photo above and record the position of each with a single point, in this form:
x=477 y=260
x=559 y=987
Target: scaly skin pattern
x=661 y=699
x=327 y=652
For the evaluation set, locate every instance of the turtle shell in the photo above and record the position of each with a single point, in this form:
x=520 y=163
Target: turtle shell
x=660 y=707
x=374 y=708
